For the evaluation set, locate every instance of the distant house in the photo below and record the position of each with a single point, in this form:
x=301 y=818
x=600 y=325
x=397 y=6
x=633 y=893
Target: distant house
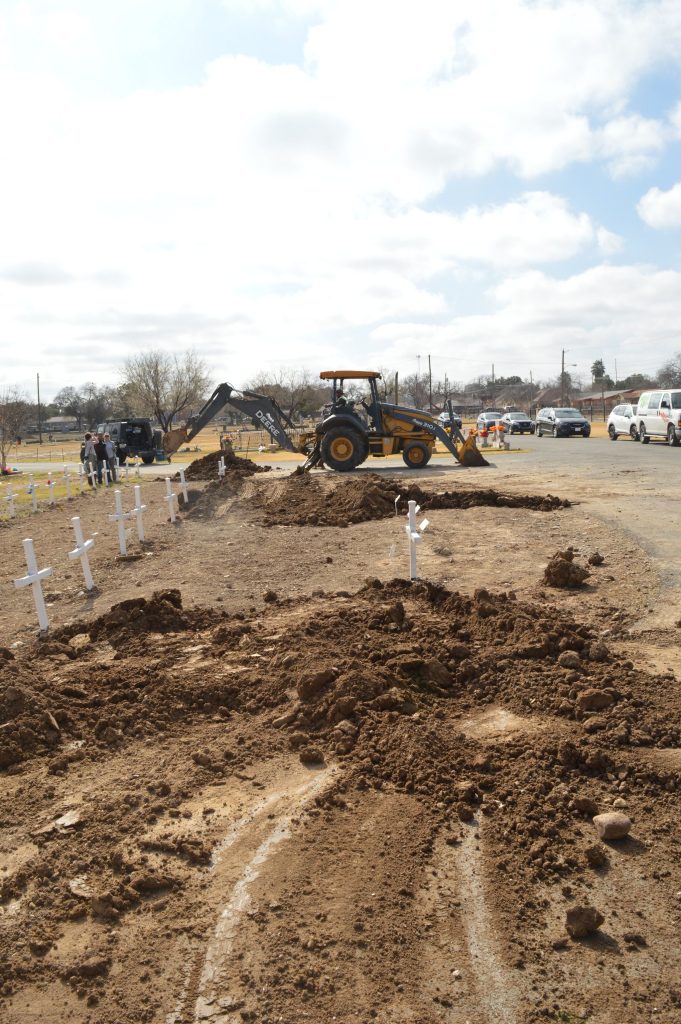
x=57 y=424
x=603 y=402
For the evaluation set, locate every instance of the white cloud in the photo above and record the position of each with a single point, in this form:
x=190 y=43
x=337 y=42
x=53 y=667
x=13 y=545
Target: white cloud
x=627 y=313
x=661 y=209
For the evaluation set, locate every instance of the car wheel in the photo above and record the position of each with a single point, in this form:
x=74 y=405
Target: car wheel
x=672 y=439
x=612 y=432
x=587 y=433
x=642 y=436
x=539 y=432
x=532 y=430
x=555 y=431
x=633 y=433
x=148 y=460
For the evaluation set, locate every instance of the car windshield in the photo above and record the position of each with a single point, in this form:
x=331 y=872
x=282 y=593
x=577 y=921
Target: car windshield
x=516 y=415
x=567 y=414
x=491 y=415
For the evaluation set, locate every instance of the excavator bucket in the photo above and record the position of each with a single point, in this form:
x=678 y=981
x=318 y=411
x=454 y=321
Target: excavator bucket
x=468 y=453
x=173 y=439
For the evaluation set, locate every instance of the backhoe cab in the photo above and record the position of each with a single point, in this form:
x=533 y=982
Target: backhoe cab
x=351 y=431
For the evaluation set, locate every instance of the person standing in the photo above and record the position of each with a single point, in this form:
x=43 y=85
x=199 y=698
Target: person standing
x=89 y=457
x=100 y=452
x=111 y=456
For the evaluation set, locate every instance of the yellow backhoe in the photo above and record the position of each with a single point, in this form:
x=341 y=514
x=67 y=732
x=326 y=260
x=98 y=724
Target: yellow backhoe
x=349 y=431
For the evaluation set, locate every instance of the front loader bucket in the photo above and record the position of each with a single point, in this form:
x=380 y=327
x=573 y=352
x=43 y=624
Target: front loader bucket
x=469 y=455
x=173 y=439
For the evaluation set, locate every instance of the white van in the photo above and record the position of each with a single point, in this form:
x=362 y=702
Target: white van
x=658 y=414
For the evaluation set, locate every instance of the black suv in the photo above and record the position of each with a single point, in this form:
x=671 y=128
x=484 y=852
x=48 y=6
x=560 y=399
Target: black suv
x=561 y=423
x=134 y=439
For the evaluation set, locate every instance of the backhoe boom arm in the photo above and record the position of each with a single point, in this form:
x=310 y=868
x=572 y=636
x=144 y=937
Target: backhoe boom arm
x=263 y=411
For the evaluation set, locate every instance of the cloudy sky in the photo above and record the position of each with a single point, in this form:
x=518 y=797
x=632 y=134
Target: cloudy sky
x=355 y=182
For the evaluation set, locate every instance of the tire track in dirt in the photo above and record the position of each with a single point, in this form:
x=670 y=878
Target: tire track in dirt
x=260 y=829
x=474 y=984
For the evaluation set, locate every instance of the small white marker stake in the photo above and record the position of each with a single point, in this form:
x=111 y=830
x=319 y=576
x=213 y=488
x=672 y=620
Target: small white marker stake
x=127 y=470
x=221 y=467
x=81 y=551
x=414 y=534
x=170 y=498
x=138 y=512
x=50 y=484
x=120 y=517
x=183 y=485
x=34 y=580
x=396 y=501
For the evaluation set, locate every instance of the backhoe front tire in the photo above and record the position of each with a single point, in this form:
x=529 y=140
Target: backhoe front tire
x=343 y=449
x=416 y=454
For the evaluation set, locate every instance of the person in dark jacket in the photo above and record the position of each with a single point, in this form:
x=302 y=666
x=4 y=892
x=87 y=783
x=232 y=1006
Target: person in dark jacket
x=101 y=453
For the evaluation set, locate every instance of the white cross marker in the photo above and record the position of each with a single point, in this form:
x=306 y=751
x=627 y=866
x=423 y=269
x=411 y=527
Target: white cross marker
x=81 y=551
x=10 y=502
x=50 y=484
x=106 y=473
x=183 y=485
x=67 y=481
x=414 y=534
x=81 y=477
x=221 y=467
x=120 y=517
x=170 y=498
x=33 y=491
x=138 y=512
x=34 y=580
x=93 y=476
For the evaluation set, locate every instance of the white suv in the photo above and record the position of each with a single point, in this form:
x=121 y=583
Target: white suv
x=658 y=414
x=622 y=420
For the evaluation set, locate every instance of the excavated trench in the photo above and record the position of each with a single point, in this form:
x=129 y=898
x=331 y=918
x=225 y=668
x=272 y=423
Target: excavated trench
x=307 y=500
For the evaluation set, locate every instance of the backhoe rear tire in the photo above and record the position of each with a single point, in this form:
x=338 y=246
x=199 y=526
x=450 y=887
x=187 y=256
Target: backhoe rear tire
x=416 y=454
x=343 y=449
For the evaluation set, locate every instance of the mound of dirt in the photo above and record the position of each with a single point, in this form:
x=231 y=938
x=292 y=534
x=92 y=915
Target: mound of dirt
x=207 y=467
x=563 y=572
x=398 y=687
x=306 y=501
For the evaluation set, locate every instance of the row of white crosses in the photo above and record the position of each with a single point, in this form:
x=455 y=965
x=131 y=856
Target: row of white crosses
x=35 y=576
x=32 y=488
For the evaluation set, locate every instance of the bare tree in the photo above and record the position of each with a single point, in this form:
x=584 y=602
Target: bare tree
x=669 y=375
x=14 y=412
x=71 y=402
x=160 y=384
x=295 y=390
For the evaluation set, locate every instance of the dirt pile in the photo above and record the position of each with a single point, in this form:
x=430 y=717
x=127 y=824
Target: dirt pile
x=481 y=719
x=307 y=501
x=563 y=572
x=207 y=467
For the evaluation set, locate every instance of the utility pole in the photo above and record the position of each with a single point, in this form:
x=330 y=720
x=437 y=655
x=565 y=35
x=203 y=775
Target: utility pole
x=562 y=377
x=40 y=426
x=616 y=377
x=430 y=386
x=397 y=388
x=492 y=385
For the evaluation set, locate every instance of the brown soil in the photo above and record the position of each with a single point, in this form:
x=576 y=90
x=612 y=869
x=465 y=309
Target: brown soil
x=275 y=790
x=306 y=500
x=562 y=570
x=454 y=767
x=206 y=468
